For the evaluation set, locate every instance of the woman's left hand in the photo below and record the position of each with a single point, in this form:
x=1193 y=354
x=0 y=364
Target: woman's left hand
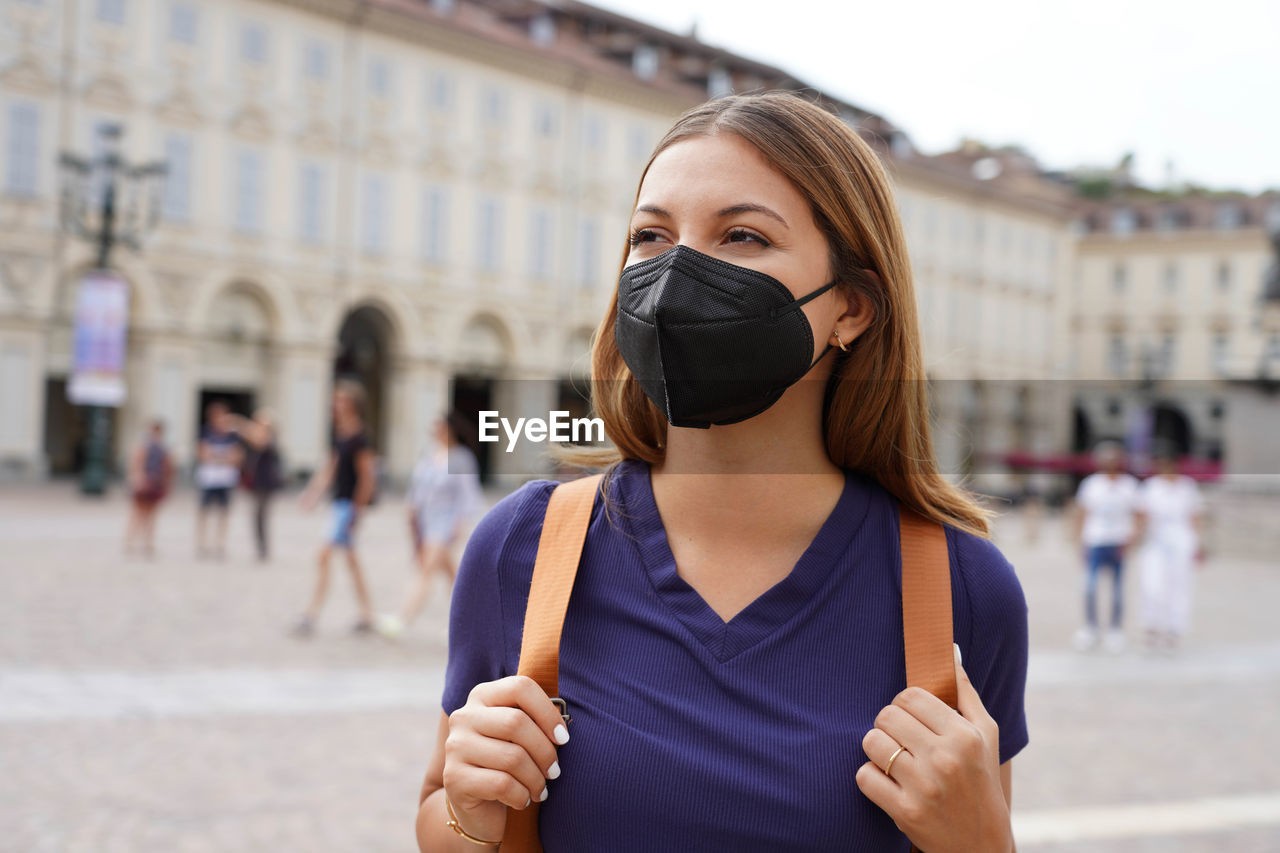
x=944 y=790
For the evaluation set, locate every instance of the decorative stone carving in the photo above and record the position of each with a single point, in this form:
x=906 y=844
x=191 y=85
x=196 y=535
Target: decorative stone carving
x=251 y=121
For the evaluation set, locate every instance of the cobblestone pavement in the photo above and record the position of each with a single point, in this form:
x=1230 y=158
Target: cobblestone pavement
x=158 y=705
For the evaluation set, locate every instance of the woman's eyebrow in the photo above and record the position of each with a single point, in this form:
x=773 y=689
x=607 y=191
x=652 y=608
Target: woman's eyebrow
x=749 y=207
x=732 y=210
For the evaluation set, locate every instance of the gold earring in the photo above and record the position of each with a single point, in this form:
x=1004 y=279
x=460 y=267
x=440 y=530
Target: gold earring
x=843 y=348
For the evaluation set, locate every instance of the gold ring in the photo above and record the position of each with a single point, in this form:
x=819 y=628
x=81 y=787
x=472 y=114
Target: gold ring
x=892 y=758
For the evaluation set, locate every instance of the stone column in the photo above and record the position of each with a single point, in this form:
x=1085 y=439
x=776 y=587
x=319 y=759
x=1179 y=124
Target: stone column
x=22 y=386
x=305 y=377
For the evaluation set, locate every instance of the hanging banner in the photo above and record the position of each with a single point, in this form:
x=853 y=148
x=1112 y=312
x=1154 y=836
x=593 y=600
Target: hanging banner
x=101 y=329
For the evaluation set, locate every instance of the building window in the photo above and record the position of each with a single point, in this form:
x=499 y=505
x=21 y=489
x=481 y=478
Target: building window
x=1119 y=278
x=380 y=78
x=110 y=11
x=719 y=83
x=311 y=203
x=249 y=173
x=22 y=167
x=637 y=143
x=493 y=105
x=375 y=193
x=1171 y=278
x=315 y=61
x=184 y=23
x=435 y=224
x=1123 y=222
x=588 y=253
x=1273 y=217
x=542 y=30
x=541 y=244
x=177 y=181
x=545 y=119
x=1224 y=276
x=440 y=92
x=253 y=43
x=593 y=133
x=1168 y=354
x=1219 y=352
x=1117 y=356
x=489 y=234
x=1227 y=216
x=644 y=62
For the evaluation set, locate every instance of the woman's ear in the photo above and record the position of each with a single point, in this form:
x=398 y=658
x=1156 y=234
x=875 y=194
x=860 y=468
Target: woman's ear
x=860 y=310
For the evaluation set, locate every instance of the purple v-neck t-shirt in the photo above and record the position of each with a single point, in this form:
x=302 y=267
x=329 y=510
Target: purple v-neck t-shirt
x=690 y=733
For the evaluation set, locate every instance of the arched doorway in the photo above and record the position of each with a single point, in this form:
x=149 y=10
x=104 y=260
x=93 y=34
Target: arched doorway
x=1170 y=426
x=235 y=354
x=481 y=358
x=1082 y=439
x=364 y=355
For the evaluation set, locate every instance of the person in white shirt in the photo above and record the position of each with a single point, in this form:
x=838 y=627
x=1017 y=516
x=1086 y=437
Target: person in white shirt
x=1105 y=506
x=1170 y=509
x=444 y=498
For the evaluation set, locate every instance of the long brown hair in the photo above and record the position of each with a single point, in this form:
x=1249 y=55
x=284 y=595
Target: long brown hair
x=876 y=415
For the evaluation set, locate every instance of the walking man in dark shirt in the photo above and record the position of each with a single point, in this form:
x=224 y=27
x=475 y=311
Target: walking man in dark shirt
x=350 y=472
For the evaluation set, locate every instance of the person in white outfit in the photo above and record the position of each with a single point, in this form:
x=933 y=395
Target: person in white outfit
x=1170 y=508
x=1105 y=506
x=444 y=498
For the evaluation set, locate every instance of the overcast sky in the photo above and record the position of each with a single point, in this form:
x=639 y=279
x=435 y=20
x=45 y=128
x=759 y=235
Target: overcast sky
x=1195 y=83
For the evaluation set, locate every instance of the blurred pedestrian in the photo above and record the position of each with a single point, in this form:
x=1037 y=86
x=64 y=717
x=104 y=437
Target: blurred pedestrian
x=1105 y=506
x=351 y=472
x=262 y=473
x=218 y=459
x=1170 y=508
x=150 y=477
x=443 y=498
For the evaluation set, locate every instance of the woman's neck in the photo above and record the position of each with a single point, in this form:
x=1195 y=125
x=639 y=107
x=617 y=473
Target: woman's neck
x=786 y=438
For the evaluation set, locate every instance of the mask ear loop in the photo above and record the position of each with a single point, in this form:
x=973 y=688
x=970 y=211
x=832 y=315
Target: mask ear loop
x=774 y=313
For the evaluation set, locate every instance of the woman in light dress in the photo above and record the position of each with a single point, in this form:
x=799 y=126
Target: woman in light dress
x=444 y=497
x=1170 y=509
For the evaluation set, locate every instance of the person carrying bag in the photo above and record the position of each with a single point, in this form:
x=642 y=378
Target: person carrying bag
x=746 y=634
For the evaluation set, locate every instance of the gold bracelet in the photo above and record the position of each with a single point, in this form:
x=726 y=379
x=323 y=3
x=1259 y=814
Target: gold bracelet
x=453 y=824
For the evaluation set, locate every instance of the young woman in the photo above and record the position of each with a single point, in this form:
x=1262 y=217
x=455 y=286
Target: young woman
x=262 y=473
x=1169 y=514
x=150 y=477
x=350 y=472
x=444 y=496
x=732 y=653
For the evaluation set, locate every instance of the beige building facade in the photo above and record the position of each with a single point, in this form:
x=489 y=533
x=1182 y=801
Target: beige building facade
x=1168 y=320
x=431 y=196
x=423 y=196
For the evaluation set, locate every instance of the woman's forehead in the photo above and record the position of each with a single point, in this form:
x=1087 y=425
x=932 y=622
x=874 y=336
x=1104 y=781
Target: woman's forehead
x=713 y=172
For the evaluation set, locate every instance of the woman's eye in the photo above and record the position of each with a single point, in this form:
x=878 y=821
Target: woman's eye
x=741 y=235
x=644 y=235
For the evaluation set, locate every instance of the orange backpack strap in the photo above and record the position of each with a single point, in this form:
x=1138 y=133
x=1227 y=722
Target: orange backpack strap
x=926 y=612
x=564 y=530
x=927 y=631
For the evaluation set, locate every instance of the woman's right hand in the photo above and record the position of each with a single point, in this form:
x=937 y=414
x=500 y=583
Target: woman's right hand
x=500 y=752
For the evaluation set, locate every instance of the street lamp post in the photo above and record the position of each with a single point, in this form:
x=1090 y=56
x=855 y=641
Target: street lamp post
x=107 y=202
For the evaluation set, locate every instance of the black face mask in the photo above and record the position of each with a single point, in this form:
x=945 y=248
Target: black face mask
x=711 y=342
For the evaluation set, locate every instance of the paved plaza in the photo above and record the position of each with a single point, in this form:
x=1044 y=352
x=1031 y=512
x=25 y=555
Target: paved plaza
x=159 y=705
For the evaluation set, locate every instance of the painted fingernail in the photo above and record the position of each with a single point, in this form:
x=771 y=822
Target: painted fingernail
x=527 y=800
x=959 y=657
x=543 y=796
x=554 y=771
x=561 y=735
